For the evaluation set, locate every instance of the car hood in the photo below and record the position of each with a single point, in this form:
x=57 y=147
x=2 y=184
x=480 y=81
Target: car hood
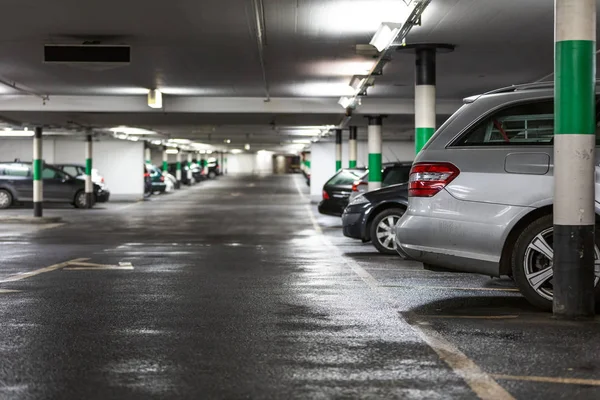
x=399 y=191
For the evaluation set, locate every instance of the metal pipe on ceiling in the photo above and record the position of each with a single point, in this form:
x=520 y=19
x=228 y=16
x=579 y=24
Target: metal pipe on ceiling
x=261 y=40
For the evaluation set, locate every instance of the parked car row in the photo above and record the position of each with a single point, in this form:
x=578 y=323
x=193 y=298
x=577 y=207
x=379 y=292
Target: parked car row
x=62 y=183
x=157 y=181
x=478 y=197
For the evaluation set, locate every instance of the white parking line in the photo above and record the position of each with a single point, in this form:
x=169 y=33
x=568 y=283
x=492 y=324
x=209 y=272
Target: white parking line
x=25 y=275
x=482 y=384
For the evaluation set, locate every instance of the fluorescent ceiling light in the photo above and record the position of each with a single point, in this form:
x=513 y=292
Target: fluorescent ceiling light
x=16 y=134
x=303 y=132
x=180 y=141
x=236 y=151
x=302 y=141
x=345 y=102
x=322 y=89
x=131 y=131
x=155 y=98
x=156 y=142
x=385 y=35
x=172 y=151
x=357 y=81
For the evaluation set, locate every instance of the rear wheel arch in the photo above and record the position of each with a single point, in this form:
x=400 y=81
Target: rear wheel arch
x=511 y=239
x=380 y=208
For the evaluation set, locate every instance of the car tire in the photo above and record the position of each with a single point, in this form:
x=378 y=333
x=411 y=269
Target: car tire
x=528 y=263
x=382 y=230
x=212 y=175
x=6 y=199
x=80 y=200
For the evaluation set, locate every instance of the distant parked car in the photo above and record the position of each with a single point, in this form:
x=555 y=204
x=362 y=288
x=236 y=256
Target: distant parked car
x=16 y=185
x=336 y=190
x=372 y=216
x=171 y=183
x=147 y=182
x=481 y=192
x=157 y=178
x=196 y=173
x=213 y=169
x=393 y=174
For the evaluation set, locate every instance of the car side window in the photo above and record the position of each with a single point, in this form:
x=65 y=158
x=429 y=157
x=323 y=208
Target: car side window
x=50 y=173
x=15 y=170
x=519 y=125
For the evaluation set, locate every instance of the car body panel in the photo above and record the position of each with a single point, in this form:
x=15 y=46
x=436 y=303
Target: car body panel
x=339 y=194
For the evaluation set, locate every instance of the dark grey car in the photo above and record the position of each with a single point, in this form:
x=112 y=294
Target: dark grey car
x=16 y=185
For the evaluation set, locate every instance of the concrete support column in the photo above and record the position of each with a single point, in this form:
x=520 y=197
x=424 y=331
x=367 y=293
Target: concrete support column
x=148 y=155
x=165 y=164
x=374 y=144
x=424 y=96
x=338 y=149
x=178 y=171
x=574 y=158
x=189 y=171
x=38 y=163
x=224 y=172
x=352 y=147
x=89 y=185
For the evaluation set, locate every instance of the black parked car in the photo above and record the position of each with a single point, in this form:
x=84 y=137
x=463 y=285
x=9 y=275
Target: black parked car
x=337 y=190
x=16 y=185
x=196 y=172
x=373 y=215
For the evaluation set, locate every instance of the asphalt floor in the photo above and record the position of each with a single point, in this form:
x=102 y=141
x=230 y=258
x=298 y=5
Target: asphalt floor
x=237 y=288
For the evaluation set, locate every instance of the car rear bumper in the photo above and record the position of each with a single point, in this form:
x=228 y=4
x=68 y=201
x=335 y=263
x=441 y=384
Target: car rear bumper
x=102 y=196
x=454 y=234
x=334 y=208
x=159 y=186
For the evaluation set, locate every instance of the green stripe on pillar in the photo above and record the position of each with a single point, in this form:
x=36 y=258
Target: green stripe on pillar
x=165 y=167
x=338 y=165
x=575 y=97
x=374 y=167
x=307 y=163
x=37 y=170
x=422 y=135
x=352 y=163
x=178 y=165
x=88 y=166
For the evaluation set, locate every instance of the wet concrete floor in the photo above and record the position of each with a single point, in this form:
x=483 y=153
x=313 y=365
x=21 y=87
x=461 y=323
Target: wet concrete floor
x=237 y=289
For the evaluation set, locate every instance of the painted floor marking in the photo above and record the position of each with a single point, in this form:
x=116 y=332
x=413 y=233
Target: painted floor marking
x=86 y=266
x=25 y=275
x=3 y=291
x=453 y=288
x=549 y=379
x=482 y=384
x=469 y=316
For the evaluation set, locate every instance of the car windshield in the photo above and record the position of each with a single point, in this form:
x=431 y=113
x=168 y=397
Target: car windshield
x=346 y=177
x=395 y=175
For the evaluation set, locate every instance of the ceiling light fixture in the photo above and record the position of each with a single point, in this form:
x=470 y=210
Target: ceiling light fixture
x=247 y=146
x=172 y=151
x=155 y=98
x=236 y=151
x=16 y=134
x=131 y=131
x=156 y=142
x=385 y=35
x=227 y=141
x=180 y=141
x=357 y=81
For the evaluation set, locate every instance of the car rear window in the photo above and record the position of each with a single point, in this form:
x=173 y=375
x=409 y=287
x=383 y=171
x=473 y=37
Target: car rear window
x=395 y=175
x=346 y=177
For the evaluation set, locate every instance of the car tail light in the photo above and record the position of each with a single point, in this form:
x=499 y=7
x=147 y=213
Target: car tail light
x=162 y=178
x=325 y=195
x=102 y=180
x=427 y=179
x=356 y=185
x=146 y=175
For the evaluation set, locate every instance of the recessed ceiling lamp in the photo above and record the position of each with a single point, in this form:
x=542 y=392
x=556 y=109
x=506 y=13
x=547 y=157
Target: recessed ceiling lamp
x=227 y=141
x=385 y=35
x=247 y=146
x=155 y=98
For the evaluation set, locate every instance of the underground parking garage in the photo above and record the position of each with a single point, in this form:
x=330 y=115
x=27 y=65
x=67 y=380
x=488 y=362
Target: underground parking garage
x=299 y=199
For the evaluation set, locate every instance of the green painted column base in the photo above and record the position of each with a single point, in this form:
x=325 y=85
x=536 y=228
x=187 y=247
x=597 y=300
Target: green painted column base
x=352 y=164
x=338 y=165
x=165 y=166
x=374 y=167
x=422 y=136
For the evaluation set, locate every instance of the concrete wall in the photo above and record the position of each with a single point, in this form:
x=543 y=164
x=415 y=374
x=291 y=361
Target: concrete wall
x=254 y=163
x=323 y=160
x=118 y=161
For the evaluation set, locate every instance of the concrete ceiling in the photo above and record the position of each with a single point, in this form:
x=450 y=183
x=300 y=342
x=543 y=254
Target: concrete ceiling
x=204 y=56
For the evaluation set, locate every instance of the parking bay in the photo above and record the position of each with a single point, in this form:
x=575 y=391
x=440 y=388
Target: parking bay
x=241 y=289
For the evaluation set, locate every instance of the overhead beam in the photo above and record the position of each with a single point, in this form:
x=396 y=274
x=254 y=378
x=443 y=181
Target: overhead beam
x=241 y=105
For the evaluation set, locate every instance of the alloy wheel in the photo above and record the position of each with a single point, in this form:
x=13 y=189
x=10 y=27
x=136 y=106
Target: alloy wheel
x=4 y=199
x=538 y=263
x=82 y=200
x=385 y=231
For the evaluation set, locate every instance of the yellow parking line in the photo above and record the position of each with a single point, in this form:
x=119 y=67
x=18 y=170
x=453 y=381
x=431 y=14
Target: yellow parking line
x=2 y=291
x=548 y=379
x=19 y=277
x=454 y=288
